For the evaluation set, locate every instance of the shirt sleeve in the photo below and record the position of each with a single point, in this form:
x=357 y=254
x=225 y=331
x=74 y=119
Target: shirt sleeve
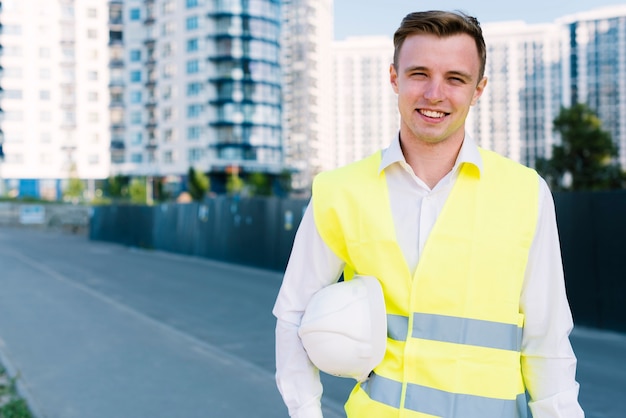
x=548 y=361
x=312 y=265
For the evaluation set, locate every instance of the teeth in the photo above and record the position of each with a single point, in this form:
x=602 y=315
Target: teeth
x=432 y=114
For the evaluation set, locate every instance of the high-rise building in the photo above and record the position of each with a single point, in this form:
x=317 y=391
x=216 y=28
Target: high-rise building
x=307 y=110
x=534 y=70
x=365 y=110
x=196 y=83
x=55 y=122
x=596 y=67
x=524 y=90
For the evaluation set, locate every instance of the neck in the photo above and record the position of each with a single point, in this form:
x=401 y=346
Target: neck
x=431 y=161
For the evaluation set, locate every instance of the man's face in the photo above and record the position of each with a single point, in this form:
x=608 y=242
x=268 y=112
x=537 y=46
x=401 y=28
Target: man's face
x=436 y=81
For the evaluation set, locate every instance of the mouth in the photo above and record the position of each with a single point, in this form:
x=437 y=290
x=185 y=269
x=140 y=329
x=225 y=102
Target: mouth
x=432 y=114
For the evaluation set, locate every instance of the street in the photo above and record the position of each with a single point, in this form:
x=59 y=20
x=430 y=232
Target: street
x=101 y=330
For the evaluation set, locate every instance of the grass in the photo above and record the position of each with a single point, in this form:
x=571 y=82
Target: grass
x=11 y=405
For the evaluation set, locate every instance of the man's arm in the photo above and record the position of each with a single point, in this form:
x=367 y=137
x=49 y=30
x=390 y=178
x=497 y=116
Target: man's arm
x=548 y=361
x=312 y=266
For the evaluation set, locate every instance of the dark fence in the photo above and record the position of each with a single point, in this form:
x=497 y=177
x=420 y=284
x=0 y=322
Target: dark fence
x=259 y=232
x=592 y=228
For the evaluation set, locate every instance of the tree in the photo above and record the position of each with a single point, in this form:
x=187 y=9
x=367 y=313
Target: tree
x=117 y=186
x=234 y=183
x=137 y=191
x=75 y=186
x=585 y=159
x=198 y=184
x=260 y=184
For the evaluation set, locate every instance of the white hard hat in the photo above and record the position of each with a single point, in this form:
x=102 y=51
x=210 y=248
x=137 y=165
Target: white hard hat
x=344 y=328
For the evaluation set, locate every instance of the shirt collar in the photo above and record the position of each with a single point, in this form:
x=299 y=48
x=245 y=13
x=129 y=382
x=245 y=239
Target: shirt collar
x=469 y=153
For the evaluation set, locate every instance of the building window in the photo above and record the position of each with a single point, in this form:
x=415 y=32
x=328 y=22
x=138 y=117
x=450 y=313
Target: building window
x=168 y=135
x=166 y=92
x=92 y=96
x=194 y=154
x=14 y=115
x=194 y=110
x=13 y=51
x=45 y=74
x=167 y=28
x=167 y=113
x=168 y=157
x=191 y=3
x=135 y=76
x=45 y=137
x=136 y=158
x=135 y=55
x=13 y=72
x=191 y=23
x=168 y=6
x=93 y=117
x=136 y=138
x=92 y=33
x=135 y=97
x=169 y=70
x=193 y=89
x=135 y=14
x=92 y=75
x=192 y=45
x=44 y=94
x=44 y=53
x=45 y=116
x=194 y=133
x=91 y=12
x=193 y=66
x=135 y=117
x=167 y=50
x=13 y=94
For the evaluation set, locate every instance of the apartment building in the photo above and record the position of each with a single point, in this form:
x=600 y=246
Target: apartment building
x=524 y=92
x=307 y=98
x=534 y=70
x=196 y=83
x=595 y=63
x=365 y=110
x=55 y=119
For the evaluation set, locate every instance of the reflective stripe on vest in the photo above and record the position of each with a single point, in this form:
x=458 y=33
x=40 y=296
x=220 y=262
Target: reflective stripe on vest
x=440 y=403
x=456 y=330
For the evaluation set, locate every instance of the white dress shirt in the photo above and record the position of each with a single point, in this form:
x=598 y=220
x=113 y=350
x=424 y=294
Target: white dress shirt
x=548 y=362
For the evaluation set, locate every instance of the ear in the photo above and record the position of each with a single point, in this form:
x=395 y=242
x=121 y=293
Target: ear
x=480 y=88
x=393 y=78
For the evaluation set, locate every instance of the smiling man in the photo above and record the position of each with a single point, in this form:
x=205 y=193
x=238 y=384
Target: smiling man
x=464 y=245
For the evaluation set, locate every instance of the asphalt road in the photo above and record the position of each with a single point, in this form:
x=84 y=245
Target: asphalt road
x=101 y=330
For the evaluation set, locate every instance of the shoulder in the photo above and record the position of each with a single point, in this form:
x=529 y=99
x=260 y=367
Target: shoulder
x=350 y=175
x=493 y=161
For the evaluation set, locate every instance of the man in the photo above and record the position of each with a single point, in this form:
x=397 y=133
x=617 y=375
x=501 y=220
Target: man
x=463 y=242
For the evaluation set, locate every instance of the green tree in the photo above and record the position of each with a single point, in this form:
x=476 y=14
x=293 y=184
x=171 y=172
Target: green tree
x=117 y=186
x=137 y=190
x=234 y=184
x=585 y=159
x=260 y=184
x=198 y=184
x=75 y=186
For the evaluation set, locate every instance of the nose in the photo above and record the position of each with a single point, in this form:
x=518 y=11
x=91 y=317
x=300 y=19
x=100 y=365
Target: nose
x=434 y=91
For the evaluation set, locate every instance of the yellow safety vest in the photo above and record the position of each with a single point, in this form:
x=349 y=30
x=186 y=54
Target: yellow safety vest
x=454 y=326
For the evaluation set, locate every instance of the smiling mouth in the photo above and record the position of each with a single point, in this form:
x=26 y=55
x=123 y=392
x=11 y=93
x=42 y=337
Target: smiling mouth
x=432 y=114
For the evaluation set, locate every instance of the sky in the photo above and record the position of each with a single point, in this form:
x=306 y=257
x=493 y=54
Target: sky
x=381 y=17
